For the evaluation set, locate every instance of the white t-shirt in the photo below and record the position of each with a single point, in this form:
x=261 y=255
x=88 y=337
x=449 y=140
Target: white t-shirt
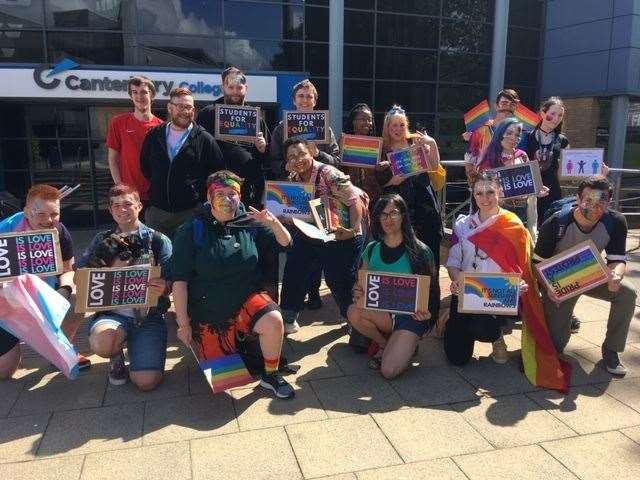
x=463 y=254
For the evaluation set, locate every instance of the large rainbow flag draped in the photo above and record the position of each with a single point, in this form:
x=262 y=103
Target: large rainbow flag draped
x=509 y=244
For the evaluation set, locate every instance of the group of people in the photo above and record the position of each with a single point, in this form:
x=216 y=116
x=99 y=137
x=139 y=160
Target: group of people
x=218 y=248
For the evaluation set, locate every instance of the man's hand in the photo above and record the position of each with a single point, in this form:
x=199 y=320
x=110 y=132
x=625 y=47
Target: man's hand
x=466 y=136
x=185 y=333
x=357 y=293
x=614 y=282
x=544 y=191
x=454 y=287
x=524 y=287
x=422 y=316
x=260 y=143
x=158 y=286
x=342 y=233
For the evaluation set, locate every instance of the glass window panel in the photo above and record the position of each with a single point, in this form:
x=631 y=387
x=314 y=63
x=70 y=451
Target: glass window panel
x=524 y=43
x=464 y=67
x=194 y=17
x=422 y=122
x=358 y=27
x=356 y=91
x=17 y=183
x=91 y=14
x=14 y=155
x=322 y=85
x=317 y=58
x=263 y=55
x=459 y=98
x=21 y=46
x=263 y=21
x=91 y=48
x=12 y=120
x=180 y=51
x=318 y=2
x=521 y=71
x=42 y=119
x=20 y=14
x=364 y=4
x=478 y=10
x=527 y=96
x=426 y=7
x=405 y=64
x=451 y=144
x=525 y=13
x=358 y=62
x=417 y=97
x=72 y=121
x=316 y=24
x=462 y=36
x=99 y=118
x=405 y=31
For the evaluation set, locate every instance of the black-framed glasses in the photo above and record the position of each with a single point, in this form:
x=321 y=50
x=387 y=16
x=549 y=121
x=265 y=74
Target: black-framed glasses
x=183 y=107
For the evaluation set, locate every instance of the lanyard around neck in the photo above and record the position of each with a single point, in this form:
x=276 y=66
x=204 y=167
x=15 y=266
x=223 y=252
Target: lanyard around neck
x=173 y=150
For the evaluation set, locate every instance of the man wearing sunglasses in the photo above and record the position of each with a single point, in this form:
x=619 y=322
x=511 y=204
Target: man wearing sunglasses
x=176 y=158
x=591 y=219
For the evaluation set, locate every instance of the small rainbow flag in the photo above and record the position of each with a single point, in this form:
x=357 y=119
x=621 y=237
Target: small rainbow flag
x=225 y=372
x=529 y=118
x=477 y=116
x=410 y=161
x=360 y=151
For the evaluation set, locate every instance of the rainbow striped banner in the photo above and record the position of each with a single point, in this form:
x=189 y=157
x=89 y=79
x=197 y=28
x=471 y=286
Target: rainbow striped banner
x=489 y=293
x=410 y=161
x=529 y=118
x=225 y=372
x=360 y=151
x=477 y=116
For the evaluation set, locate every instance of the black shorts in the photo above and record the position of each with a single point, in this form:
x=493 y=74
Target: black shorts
x=7 y=341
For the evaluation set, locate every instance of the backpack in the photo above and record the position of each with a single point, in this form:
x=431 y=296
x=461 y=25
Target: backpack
x=562 y=209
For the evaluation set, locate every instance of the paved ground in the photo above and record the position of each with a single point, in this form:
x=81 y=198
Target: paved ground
x=478 y=422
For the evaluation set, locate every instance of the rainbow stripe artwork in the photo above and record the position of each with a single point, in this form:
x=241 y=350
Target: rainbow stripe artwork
x=477 y=116
x=225 y=372
x=289 y=199
x=490 y=293
x=573 y=271
x=337 y=213
x=410 y=161
x=529 y=118
x=360 y=151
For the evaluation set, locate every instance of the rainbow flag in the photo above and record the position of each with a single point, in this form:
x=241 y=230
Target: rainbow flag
x=360 y=151
x=337 y=213
x=528 y=117
x=477 y=116
x=509 y=244
x=410 y=161
x=225 y=372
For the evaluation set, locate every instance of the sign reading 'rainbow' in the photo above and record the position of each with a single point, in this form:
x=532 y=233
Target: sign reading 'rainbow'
x=489 y=293
x=360 y=151
x=289 y=199
x=410 y=161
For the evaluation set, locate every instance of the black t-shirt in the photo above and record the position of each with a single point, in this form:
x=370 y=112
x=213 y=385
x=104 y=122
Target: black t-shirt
x=548 y=157
x=66 y=243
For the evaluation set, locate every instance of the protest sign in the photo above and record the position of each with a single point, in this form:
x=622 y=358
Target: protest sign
x=237 y=122
x=411 y=161
x=576 y=163
x=100 y=289
x=489 y=293
x=337 y=213
x=312 y=231
x=394 y=293
x=319 y=214
x=360 y=151
x=289 y=199
x=36 y=252
x=519 y=180
x=574 y=271
x=312 y=126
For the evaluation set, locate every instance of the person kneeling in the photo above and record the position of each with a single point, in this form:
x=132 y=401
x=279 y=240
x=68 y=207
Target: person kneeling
x=395 y=250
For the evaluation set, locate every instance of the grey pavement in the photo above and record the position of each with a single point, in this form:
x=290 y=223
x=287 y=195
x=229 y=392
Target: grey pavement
x=481 y=421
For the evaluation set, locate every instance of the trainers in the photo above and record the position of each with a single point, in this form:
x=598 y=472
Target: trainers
x=314 y=302
x=575 y=325
x=117 y=370
x=500 y=354
x=277 y=385
x=291 y=327
x=83 y=363
x=612 y=362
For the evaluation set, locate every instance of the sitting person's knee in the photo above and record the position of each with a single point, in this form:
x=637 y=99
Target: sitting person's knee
x=105 y=343
x=271 y=324
x=389 y=371
x=146 y=381
x=353 y=315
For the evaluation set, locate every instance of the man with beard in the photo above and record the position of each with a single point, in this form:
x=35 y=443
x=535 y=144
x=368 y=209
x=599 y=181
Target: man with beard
x=243 y=159
x=176 y=158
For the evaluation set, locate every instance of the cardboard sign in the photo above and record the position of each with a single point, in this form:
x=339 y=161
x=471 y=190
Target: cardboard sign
x=100 y=289
x=394 y=293
x=489 y=293
x=237 y=122
x=337 y=213
x=312 y=231
x=312 y=126
x=36 y=252
x=319 y=214
x=410 y=161
x=576 y=163
x=573 y=271
x=289 y=199
x=360 y=151
x=519 y=180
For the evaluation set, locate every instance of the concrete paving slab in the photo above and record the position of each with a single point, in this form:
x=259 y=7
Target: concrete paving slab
x=626 y=390
x=21 y=436
x=356 y=394
x=512 y=421
x=441 y=469
x=594 y=457
x=494 y=379
x=264 y=454
x=93 y=430
x=312 y=338
x=350 y=362
x=594 y=332
x=587 y=409
x=67 y=468
x=9 y=392
x=630 y=358
x=175 y=383
x=340 y=445
x=422 y=434
x=522 y=463
x=184 y=418
x=344 y=476
x=633 y=433
x=167 y=462
x=313 y=365
x=431 y=353
x=584 y=371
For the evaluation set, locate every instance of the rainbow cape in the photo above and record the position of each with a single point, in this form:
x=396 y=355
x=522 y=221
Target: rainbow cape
x=509 y=244
x=528 y=117
x=477 y=116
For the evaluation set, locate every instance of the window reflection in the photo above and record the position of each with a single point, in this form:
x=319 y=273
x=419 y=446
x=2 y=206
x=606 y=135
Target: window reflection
x=459 y=98
x=524 y=43
x=316 y=24
x=405 y=31
x=521 y=71
x=404 y=64
x=463 y=36
x=193 y=17
x=180 y=51
x=358 y=61
x=356 y=91
x=419 y=97
x=464 y=67
x=360 y=27
x=263 y=55
x=478 y=10
x=317 y=59
x=263 y=21
x=94 y=14
x=21 y=46
x=20 y=14
x=425 y=7
x=92 y=48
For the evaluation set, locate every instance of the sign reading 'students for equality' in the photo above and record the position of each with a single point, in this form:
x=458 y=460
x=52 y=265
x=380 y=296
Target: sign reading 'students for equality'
x=36 y=252
x=394 y=293
x=237 y=123
x=312 y=126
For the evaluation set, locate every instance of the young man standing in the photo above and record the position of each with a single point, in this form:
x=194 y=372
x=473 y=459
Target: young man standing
x=126 y=134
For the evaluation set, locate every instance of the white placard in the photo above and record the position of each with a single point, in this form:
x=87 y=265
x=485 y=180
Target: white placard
x=581 y=162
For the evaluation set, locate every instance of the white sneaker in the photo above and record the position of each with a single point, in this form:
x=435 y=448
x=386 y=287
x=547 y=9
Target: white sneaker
x=291 y=327
x=500 y=354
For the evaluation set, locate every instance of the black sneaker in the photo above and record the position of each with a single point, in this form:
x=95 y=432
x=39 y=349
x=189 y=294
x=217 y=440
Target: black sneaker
x=314 y=302
x=612 y=362
x=277 y=385
x=118 y=373
x=575 y=325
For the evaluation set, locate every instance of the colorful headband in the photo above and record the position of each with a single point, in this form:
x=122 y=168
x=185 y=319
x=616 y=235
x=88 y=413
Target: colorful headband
x=226 y=183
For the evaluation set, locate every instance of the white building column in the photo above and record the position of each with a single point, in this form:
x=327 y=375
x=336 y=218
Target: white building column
x=336 y=55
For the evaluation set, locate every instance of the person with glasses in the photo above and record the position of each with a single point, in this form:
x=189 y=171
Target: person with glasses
x=395 y=249
x=176 y=158
x=142 y=331
x=591 y=219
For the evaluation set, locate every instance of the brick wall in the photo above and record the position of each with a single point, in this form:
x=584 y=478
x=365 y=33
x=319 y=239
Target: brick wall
x=581 y=121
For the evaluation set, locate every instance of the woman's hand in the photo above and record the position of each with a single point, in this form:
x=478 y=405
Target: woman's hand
x=466 y=136
x=263 y=216
x=544 y=191
x=605 y=170
x=396 y=180
x=454 y=287
x=185 y=333
x=383 y=165
x=157 y=286
x=421 y=316
x=524 y=287
x=357 y=293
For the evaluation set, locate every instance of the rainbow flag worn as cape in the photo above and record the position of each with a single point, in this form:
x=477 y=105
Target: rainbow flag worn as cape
x=509 y=244
x=529 y=118
x=477 y=116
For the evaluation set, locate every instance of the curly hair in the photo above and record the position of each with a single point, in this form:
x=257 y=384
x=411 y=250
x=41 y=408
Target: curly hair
x=117 y=245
